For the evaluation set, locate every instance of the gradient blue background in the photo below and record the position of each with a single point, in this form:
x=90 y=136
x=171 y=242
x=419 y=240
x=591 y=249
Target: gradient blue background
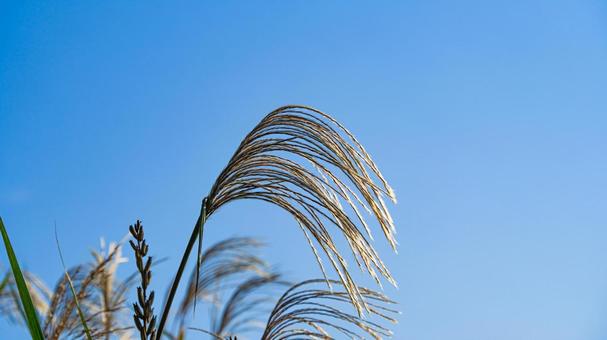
x=488 y=118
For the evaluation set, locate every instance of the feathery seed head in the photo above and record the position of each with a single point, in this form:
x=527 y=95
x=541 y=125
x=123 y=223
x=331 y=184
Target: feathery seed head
x=267 y=166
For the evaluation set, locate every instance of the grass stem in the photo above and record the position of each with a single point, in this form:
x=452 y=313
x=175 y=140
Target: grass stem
x=184 y=260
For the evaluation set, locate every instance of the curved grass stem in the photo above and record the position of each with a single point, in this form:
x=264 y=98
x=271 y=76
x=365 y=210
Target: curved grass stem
x=196 y=235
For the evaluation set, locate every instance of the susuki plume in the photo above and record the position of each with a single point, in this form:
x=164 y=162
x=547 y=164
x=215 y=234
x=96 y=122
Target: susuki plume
x=241 y=312
x=308 y=313
x=264 y=168
x=222 y=264
x=101 y=295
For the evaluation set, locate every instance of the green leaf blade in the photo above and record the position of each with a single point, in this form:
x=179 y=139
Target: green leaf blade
x=26 y=300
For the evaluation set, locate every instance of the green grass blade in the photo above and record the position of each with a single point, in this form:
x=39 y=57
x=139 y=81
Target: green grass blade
x=26 y=299
x=71 y=284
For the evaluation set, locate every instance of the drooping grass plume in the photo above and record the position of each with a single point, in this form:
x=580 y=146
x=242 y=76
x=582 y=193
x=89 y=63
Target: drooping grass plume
x=29 y=311
x=99 y=291
x=263 y=168
x=221 y=266
x=144 y=317
x=324 y=196
x=65 y=320
x=92 y=282
x=10 y=302
x=305 y=312
x=241 y=312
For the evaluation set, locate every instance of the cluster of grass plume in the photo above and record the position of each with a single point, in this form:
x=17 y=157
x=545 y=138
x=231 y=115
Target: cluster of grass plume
x=298 y=159
x=88 y=301
x=262 y=302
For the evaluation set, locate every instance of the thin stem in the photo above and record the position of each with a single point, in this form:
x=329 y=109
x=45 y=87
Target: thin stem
x=184 y=260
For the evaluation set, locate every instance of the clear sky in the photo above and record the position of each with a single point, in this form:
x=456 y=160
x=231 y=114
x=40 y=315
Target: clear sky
x=488 y=118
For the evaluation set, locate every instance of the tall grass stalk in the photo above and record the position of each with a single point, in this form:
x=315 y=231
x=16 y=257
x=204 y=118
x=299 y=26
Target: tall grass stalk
x=196 y=235
x=31 y=316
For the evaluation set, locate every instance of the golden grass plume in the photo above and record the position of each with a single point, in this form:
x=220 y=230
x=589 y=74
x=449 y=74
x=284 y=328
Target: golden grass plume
x=222 y=265
x=340 y=180
x=305 y=312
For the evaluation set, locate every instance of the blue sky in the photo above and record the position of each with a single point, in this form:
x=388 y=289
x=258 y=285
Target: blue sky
x=488 y=118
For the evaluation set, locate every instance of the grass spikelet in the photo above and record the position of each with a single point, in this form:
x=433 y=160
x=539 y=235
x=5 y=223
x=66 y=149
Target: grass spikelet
x=144 y=317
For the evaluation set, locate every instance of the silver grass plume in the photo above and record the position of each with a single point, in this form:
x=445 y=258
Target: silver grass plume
x=62 y=318
x=221 y=265
x=245 y=309
x=112 y=307
x=303 y=312
x=241 y=311
x=10 y=303
x=101 y=294
x=340 y=171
